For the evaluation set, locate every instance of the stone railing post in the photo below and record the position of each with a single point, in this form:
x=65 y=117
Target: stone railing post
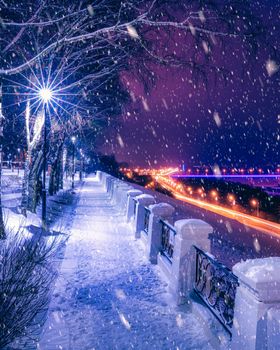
x=273 y=327
x=161 y=211
x=106 y=181
x=120 y=195
x=188 y=233
x=131 y=194
x=118 y=187
x=256 y=305
x=144 y=200
x=99 y=175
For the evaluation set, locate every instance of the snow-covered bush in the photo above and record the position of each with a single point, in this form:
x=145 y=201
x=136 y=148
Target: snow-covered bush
x=26 y=276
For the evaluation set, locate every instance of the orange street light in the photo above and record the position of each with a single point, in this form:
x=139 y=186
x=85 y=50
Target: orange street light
x=255 y=204
x=214 y=195
x=231 y=199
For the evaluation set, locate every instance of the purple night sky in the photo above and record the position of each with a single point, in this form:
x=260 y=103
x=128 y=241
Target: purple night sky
x=235 y=122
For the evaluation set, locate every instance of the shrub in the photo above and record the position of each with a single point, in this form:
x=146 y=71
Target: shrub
x=27 y=273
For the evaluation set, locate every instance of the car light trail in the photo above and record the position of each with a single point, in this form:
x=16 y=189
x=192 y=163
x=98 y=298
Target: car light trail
x=245 y=219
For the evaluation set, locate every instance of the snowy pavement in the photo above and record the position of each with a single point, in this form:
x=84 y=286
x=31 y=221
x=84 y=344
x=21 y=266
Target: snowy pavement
x=108 y=296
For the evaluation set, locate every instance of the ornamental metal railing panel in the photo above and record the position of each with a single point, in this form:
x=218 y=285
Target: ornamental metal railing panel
x=146 y=219
x=216 y=285
x=168 y=233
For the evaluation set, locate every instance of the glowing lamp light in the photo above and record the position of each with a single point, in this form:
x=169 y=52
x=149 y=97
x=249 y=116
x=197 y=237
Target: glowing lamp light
x=254 y=203
x=73 y=139
x=231 y=199
x=45 y=94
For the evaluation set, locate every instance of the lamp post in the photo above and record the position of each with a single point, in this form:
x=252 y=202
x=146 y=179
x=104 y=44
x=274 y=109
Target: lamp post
x=73 y=139
x=81 y=164
x=18 y=151
x=231 y=199
x=45 y=95
x=256 y=204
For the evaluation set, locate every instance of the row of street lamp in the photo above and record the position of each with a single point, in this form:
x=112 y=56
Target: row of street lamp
x=254 y=203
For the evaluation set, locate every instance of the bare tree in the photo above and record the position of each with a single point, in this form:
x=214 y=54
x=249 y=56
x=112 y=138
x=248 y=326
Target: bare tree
x=79 y=48
x=33 y=134
x=114 y=26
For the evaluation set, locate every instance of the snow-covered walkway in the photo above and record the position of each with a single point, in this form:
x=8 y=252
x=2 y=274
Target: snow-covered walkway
x=108 y=296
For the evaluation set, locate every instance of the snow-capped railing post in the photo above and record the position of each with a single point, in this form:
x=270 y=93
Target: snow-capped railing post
x=111 y=186
x=120 y=194
x=273 y=327
x=158 y=212
x=257 y=305
x=180 y=268
x=143 y=201
x=106 y=181
x=99 y=175
x=131 y=194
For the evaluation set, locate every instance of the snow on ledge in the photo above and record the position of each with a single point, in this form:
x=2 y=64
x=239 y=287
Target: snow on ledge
x=261 y=275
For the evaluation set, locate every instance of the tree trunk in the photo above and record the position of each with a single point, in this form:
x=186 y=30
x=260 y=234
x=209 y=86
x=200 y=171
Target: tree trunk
x=35 y=186
x=54 y=183
x=25 y=184
x=2 y=226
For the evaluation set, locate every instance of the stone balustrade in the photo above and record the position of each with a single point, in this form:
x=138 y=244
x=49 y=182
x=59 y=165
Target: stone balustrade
x=174 y=246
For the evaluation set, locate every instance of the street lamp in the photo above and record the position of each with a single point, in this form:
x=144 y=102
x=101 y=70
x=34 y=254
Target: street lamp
x=231 y=199
x=256 y=204
x=214 y=195
x=45 y=96
x=73 y=139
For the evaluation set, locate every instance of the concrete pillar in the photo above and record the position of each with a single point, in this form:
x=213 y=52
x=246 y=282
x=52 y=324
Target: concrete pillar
x=118 y=188
x=188 y=233
x=161 y=211
x=131 y=194
x=99 y=175
x=120 y=195
x=110 y=185
x=273 y=327
x=123 y=198
x=256 y=305
x=106 y=181
x=143 y=201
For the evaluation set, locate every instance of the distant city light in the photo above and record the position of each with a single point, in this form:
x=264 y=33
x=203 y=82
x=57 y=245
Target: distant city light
x=231 y=199
x=254 y=202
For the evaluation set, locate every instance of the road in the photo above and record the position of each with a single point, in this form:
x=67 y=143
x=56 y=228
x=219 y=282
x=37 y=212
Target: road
x=236 y=235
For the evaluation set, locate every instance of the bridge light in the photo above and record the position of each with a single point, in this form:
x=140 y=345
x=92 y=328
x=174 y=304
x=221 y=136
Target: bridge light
x=231 y=199
x=255 y=204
